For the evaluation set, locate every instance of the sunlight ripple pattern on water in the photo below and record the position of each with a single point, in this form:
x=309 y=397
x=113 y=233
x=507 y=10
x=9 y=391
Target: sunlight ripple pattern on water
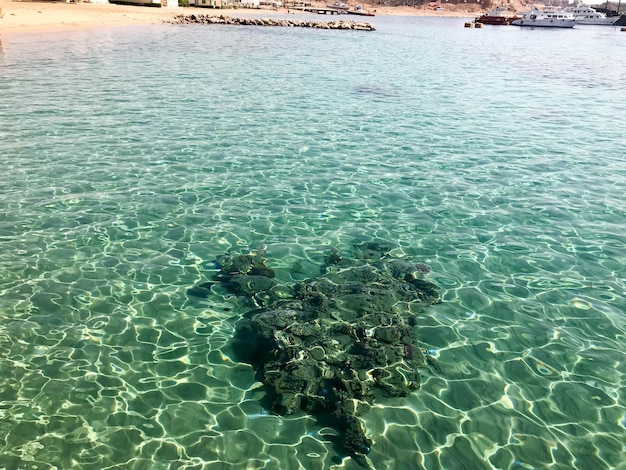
x=132 y=158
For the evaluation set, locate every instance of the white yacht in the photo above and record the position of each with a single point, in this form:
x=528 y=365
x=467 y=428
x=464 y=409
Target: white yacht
x=546 y=19
x=584 y=14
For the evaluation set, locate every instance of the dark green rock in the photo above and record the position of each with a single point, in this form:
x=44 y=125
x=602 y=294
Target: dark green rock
x=322 y=343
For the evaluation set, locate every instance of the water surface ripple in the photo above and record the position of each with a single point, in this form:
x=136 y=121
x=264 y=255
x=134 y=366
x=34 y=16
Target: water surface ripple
x=132 y=157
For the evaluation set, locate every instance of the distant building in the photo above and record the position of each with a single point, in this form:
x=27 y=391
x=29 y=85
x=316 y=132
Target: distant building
x=249 y=3
x=147 y=3
x=211 y=3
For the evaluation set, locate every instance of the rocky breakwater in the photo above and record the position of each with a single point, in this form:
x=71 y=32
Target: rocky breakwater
x=221 y=19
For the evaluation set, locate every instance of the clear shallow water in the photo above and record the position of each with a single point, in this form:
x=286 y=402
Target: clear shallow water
x=133 y=157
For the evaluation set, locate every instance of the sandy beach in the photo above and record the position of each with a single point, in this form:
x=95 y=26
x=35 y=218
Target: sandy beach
x=24 y=17
x=50 y=16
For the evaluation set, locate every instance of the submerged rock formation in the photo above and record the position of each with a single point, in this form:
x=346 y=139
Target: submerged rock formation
x=221 y=19
x=332 y=344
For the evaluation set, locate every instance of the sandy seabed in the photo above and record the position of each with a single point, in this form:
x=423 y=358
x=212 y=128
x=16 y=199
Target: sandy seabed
x=23 y=17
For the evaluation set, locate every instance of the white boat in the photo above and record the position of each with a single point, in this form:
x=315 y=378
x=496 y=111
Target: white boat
x=546 y=19
x=339 y=6
x=584 y=14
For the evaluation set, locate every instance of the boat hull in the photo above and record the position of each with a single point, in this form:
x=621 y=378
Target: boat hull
x=545 y=23
x=604 y=22
x=360 y=13
x=496 y=20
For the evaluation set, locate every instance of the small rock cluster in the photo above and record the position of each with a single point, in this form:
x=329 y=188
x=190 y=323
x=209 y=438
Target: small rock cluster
x=221 y=19
x=330 y=345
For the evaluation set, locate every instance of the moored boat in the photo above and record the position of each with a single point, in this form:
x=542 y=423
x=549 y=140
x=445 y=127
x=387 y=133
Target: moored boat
x=497 y=16
x=360 y=11
x=338 y=6
x=546 y=19
x=621 y=19
x=584 y=14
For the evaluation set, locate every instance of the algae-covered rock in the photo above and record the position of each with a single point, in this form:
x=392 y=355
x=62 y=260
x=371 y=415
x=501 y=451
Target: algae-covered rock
x=322 y=344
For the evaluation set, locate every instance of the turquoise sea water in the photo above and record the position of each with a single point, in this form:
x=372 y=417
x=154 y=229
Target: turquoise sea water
x=133 y=157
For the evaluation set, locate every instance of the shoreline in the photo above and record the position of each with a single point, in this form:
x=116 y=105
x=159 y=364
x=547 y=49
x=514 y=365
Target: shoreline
x=28 y=17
